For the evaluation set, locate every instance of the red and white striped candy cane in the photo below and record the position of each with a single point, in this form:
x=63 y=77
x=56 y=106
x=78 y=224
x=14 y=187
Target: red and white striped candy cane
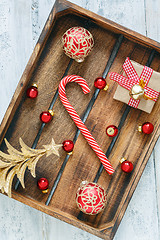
x=78 y=121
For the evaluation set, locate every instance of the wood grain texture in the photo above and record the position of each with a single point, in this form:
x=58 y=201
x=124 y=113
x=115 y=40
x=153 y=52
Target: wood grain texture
x=140 y=233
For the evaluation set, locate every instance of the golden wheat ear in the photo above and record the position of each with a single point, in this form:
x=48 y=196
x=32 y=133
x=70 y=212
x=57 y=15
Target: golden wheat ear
x=16 y=162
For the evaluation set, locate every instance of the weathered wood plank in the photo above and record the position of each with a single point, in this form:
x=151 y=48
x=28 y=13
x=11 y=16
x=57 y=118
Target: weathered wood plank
x=19 y=221
x=156 y=157
x=16 y=48
x=130 y=14
x=152 y=19
x=140 y=219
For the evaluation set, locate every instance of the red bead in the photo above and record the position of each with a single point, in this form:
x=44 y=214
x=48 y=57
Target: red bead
x=32 y=92
x=45 y=117
x=43 y=183
x=127 y=166
x=100 y=83
x=68 y=145
x=111 y=131
x=91 y=198
x=147 y=128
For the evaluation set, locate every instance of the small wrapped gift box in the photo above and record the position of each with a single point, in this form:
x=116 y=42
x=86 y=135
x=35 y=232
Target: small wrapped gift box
x=138 y=87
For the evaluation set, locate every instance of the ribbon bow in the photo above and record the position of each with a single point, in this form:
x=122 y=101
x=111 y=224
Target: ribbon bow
x=132 y=79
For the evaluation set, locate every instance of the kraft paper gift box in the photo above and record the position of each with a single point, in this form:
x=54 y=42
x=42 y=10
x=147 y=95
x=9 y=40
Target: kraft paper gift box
x=122 y=94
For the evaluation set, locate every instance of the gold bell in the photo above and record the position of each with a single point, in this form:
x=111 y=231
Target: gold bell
x=137 y=92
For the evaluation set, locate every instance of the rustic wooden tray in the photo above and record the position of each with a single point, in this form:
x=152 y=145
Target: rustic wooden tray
x=46 y=67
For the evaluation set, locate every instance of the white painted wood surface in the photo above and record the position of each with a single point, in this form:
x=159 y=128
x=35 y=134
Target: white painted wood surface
x=21 y=22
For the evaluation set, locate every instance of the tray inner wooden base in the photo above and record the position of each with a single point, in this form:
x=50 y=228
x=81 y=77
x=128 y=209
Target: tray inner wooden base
x=84 y=164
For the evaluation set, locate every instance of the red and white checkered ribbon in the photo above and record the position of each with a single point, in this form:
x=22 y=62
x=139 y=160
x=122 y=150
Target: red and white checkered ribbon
x=132 y=79
x=78 y=121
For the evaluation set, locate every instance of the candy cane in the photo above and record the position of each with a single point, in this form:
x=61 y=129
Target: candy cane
x=78 y=121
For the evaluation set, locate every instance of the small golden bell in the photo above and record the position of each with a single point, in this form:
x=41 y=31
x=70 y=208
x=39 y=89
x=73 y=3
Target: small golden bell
x=136 y=92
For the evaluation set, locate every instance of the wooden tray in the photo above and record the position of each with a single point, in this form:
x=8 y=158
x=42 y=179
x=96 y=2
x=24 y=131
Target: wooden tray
x=46 y=67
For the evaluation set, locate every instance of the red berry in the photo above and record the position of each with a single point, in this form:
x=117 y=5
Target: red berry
x=100 y=83
x=147 y=128
x=32 y=92
x=111 y=131
x=68 y=145
x=45 y=117
x=127 y=166
x=43 y=183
